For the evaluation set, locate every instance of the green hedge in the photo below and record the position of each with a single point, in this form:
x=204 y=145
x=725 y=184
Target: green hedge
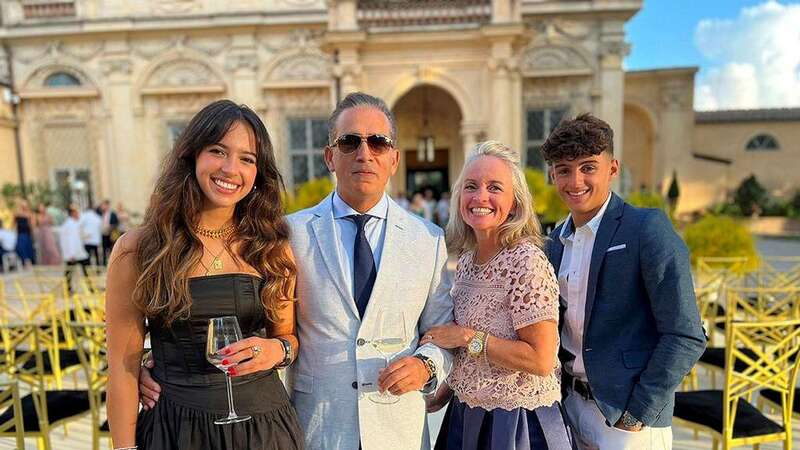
x=720 y=236
x=549 y=206
x=308 y=194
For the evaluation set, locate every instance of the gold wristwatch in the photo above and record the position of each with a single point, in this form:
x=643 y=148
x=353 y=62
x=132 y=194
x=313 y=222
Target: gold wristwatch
x=476 y=344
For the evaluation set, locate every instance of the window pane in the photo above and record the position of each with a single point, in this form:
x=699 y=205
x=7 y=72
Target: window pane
x=535 y=125
x=174 y=130
x=534 y=157
x=297 y=134
x=319 y=134
x=556 y=115
x=61 y=79
x=320 y=169
x=299 y=169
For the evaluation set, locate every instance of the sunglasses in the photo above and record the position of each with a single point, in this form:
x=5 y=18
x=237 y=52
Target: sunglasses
x=377 y=143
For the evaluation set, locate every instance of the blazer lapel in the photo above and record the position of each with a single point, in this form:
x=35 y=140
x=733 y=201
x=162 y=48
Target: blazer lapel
x=325 y=236
x=393 y=258
x=608 y=227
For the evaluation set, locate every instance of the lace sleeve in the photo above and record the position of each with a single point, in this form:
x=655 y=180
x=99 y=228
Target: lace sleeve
x=534 y=288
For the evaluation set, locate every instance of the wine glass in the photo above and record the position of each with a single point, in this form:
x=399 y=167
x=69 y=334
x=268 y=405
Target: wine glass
x=222 y=332
x=391 y=340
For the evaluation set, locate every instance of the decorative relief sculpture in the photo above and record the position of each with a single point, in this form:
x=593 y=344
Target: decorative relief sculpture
x=543 y=61
x=211 y=46
x=301 y=68
x=303 y=102
x=149 y=48
x=174 y=6
x=182 y=73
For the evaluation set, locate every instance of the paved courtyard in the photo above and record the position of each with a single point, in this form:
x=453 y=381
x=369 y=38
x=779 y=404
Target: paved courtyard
x=78 y=435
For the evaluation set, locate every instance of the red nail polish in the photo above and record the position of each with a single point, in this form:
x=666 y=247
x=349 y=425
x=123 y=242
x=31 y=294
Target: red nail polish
x=231 y=371
x=225 y=362
x=225 y=351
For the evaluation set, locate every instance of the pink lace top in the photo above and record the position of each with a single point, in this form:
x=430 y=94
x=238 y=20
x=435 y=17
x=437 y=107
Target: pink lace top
x=514 y=289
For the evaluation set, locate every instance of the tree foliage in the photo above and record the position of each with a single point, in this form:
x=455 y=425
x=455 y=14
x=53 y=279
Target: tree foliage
x=720 y=236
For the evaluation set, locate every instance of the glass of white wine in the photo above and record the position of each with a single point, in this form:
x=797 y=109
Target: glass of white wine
x=222 y=332
x=391 y=340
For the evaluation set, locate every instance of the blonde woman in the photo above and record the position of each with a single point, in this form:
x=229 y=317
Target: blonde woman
x=506 y=375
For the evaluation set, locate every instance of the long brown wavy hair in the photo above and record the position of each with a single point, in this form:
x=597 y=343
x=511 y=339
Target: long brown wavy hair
x=169 y=249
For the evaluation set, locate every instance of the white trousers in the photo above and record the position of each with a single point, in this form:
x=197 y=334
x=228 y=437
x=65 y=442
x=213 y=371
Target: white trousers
x=591 y=432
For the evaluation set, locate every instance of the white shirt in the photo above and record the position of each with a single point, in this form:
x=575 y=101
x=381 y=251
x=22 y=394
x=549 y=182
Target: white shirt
x=91 y=228
x=8 y=239
x=573 y=276
x=69 y=239
x=375 y=231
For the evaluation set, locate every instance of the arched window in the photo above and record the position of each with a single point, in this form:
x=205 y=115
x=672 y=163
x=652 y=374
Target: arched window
x=61 y=79
x=762 y=142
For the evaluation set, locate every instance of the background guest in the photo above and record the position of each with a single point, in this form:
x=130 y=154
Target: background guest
x=46 y=238
x=71 y=243
x=23 y=222
x=92 y=233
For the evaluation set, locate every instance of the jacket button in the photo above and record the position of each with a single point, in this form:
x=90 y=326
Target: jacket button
x=355 y=385
x=360 y=342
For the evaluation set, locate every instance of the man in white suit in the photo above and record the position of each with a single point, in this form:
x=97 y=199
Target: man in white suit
x=336 y=376
x=360 y=257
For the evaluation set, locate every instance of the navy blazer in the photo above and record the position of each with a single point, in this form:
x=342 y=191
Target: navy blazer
x=642 y=332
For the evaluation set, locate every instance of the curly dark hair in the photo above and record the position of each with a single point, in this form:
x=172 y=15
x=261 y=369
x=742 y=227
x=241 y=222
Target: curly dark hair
x=582 y=136
x=170 y=249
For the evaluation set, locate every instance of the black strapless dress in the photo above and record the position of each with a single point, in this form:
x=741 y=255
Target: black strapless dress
x=193 y=392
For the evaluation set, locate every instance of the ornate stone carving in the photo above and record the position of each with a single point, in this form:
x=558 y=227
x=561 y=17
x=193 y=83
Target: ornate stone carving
x=174 y=6
x=301 y=67
x=148 y=48
x=211 y=46
x=616 y=48
x=36 y=111
x=29 y=54
x=557 y=92
x=537 y=61
x=36 y=80
x=182 y=73
x=83 y=51
x=304 y=39
x=116 y=67
x=241 y=61
x=554 y=29
x=675 y=96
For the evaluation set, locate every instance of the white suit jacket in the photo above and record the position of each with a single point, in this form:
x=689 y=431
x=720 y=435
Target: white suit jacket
x=337 y=369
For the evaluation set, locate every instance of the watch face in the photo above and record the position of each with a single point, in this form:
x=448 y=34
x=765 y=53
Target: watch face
x=475 y=346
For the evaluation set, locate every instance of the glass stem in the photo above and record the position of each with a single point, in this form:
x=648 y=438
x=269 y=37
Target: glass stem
x=231 y=412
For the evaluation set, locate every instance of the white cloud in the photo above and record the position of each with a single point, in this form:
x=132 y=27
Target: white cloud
x=756 y=59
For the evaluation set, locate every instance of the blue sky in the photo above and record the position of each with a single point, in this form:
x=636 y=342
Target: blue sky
x=746 y=49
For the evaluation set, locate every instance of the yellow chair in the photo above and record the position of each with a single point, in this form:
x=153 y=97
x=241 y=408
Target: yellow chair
x=10 y=400
x=750 y=305
x=39 y=308
x=42 y=409
x=770 y=362
x=92 y=351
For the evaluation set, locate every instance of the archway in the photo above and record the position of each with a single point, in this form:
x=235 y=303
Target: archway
x=638 y=160
x=429 y=139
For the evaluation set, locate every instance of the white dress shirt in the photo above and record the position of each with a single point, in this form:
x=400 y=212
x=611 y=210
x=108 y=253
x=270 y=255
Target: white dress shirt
x=8 y=239
x=69 y=239
x=375 y=231
x=91 y=228
x=573 y=276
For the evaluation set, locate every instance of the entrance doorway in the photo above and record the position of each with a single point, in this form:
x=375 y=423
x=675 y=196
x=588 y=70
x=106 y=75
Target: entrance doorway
x=422 y=174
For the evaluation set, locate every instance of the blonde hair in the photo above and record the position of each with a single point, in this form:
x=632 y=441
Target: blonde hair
x=523 y=225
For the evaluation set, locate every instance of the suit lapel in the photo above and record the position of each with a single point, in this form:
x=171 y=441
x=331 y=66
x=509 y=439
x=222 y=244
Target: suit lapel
x=608 y=227
x=326 y=239
x=556 y=249
x=393 y=258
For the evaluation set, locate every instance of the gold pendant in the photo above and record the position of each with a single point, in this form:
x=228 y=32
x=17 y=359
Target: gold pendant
x=216 y=264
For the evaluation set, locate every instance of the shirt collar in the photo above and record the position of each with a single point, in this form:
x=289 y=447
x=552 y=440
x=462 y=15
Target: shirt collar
x=593 y=225
x=342 y=209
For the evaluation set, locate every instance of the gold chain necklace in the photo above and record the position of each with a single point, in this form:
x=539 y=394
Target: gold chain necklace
x=215 y=234
x=216 y=262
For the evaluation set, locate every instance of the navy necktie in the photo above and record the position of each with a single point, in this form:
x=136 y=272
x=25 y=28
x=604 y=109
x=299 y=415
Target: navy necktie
x=364 y=271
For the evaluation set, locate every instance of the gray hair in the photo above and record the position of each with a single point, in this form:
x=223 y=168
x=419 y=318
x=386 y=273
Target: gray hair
x=523 y=225
x=359 y=99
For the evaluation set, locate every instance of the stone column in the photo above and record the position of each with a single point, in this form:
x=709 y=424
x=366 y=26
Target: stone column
x=120 y=154
x=612 y=84
x=242 y=63
x=502 y=64
x=675 y=119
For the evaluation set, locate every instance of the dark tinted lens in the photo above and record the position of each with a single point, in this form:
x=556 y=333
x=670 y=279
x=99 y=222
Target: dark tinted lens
x=378 y=143
x=348 y=143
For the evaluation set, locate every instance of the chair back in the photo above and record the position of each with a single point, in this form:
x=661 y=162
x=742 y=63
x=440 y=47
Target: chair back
x=769 y=351
x=92 y=351
x=755 y=304
x=10 y=400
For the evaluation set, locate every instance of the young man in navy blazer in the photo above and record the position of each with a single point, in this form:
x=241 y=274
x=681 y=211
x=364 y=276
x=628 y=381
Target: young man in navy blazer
x=630 y=329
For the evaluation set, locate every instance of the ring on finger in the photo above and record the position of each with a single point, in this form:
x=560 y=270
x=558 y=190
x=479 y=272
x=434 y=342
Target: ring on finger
x=256 y=350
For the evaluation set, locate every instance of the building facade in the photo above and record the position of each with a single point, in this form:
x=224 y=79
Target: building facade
x=105 y=86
